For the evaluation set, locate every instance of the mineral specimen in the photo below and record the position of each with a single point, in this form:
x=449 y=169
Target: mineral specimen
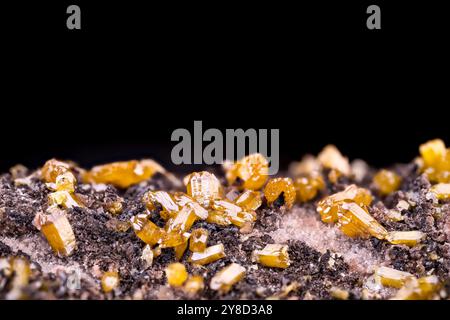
x=224 y=280
x=386 y=181
x=63 y=199
x=181 y=248
x=56 y=228
x=209 y=255
x=182 y=200
x=273 y=255
x=436 y=161
x=52 y=169
x=307 y=187
x=280 y=191
x=161 y=200
x=419 y=289
x=250 y=172
x=193 y=285
x=176 y=274
x=331 y=158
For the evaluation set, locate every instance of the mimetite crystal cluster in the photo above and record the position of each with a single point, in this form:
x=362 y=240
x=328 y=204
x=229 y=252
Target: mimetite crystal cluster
x=204 y=199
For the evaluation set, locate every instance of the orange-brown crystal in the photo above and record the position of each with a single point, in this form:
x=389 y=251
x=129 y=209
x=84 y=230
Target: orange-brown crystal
x=224 y=280
x=52 y=169
x=203 y=187
x=146 y=230
x=176 y=274
x=123 y=174
x=331 y=158
x=110 y=281
x=198 y=240
x=249 y=200
x=280 y=189
x=308 y=187
x=208 y=255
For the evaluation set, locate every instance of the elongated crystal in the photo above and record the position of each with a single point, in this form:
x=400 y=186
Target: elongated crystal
x=224 y=280
x=409 y=238
x=419 y=289
x=52 y=169
x=63 y=199
x=146 y=230
x=354 y=221
x=441 y=190
x=161 y=200
x=181 y=248
x=249 y=200
x=273 y=255
x=56 y=228
x=209 y=255
x=184 y=200
x=390 y=277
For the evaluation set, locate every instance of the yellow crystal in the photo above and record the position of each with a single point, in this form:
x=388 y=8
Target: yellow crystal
x=390 y=277
x=203 y=187
x=110 y=281
x=307 y=187
x=441 y=190
x=193 y=285
x=249 y=200
x=123 y=174
x=218 y=217
x=52 y=169
x=176 y=274
x=198 y=240
x=331 y=158
x=210 y=254
x=56 y=228
x=146 y=230
x=66 y=182
x=433 y=152
x=328 y=207
x=309 y=165
x=250 y=172
x=280 y=189
x=224 y=280
x=184 y=200
x=182 y=221
x=63 y=199
x=273 y=255
x=386 y=181
x=230 y=212
x=355 y=221
x=419 y=289
x=409 y=238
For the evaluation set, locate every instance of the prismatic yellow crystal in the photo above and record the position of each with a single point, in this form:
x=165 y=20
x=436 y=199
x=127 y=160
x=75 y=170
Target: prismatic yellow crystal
x=249 y=200
x=355 y=221
x=56 y=228
x=210 y=254
x=224 y=280
x=273 y=255
x=146 y=230
x=309 y=165
x=110 y=281
x=181 y=248
x=65 y=182
x=250 y=172
x=226 y=212
x=419 y=289
x=331 y=158
x=176 y=274
x=52 y=169
x=328 y=207
x=182 y=200
x=441 y=190
x=198 y=240
x=307 y=187
x=409 y=238
x=161 y=200
x=182 y=221
x=386 y=181
x=123 y=174
x=193 y=285
x=203 y=187
x=280 y=191
x=390 y=277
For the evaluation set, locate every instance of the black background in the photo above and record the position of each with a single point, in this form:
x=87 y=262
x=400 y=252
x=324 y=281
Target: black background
x=135 y=72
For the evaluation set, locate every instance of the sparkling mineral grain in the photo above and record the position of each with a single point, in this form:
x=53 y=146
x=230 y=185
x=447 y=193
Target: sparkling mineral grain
x=280 y=191
x=250 y=172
